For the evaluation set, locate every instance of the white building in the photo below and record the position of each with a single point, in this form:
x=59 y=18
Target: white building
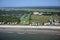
x=11 y=22
x=52 y=22
x=38 y=13
x=1 y=22
x=48 y=23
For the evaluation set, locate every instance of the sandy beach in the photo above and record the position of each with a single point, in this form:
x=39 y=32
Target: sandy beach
x=30 y=29
x=18 y=26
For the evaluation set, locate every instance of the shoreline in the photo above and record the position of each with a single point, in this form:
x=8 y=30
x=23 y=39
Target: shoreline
x=18 y=26
x=53 y=30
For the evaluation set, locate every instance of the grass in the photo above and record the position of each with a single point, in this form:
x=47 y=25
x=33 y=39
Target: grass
x=41 y=19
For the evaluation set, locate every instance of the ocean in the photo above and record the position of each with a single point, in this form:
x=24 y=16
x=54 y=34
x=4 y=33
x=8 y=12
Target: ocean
x=15 y=36
x=29 y=34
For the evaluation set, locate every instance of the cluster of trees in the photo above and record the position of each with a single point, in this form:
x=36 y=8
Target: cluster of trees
x=13 y=12
x=23 y=18
x=11 y=15
x=52 y=13
x=6 y=19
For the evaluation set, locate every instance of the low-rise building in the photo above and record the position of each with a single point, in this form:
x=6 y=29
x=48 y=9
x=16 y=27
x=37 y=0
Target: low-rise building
x=48 y=23
x=2 y=22
x=34 y=24
x=52 y=22
x=38 y=13
x=11 y=22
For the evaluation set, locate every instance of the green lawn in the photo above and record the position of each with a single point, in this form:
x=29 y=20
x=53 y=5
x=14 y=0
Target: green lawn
x=25 y=19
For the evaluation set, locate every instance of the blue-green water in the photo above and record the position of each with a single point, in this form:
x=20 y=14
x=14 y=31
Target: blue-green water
x=14 y=36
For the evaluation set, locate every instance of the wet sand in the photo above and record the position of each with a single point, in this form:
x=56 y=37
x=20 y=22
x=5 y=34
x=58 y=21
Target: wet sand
x=53 y=30
x=30 y=31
